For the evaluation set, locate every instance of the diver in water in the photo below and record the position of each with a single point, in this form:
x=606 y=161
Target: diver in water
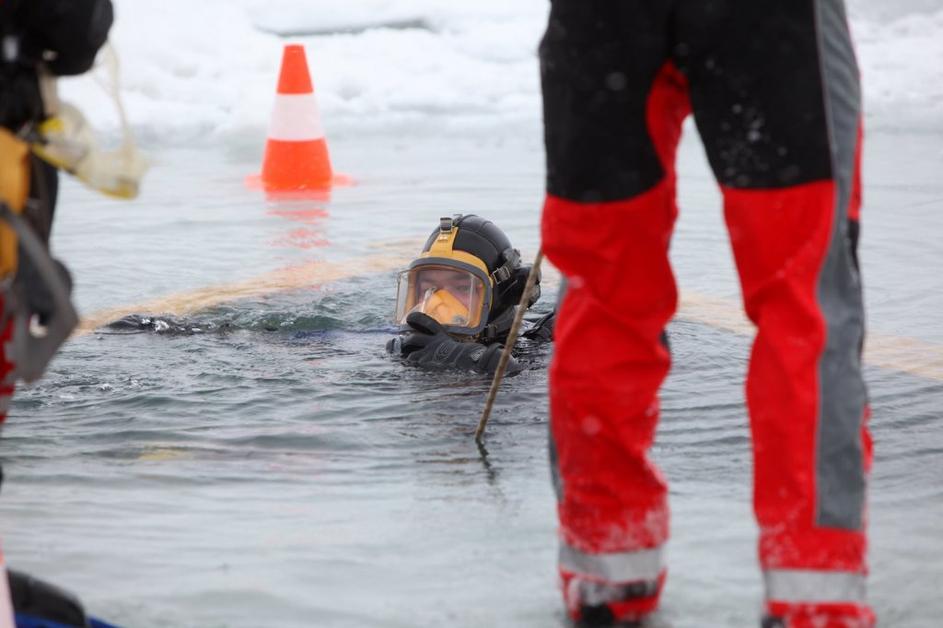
x=455 y=303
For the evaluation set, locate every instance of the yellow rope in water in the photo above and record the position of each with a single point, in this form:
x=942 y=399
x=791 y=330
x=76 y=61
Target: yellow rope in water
x=897 y=353
x=281 y=280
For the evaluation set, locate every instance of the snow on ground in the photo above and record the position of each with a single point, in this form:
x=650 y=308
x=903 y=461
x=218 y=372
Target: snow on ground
x=206 y=71
x=902 y=77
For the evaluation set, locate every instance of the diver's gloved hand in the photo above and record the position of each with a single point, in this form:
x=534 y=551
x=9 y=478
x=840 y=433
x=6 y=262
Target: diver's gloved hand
x=429 y=346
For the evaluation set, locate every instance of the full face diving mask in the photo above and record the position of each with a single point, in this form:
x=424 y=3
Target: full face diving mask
x=453 y=295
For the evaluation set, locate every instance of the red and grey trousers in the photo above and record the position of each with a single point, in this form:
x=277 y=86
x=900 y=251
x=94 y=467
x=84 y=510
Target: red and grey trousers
x=774 y=90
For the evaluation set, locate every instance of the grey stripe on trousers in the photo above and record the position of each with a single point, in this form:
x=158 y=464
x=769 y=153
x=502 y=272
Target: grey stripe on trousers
x=839 y=456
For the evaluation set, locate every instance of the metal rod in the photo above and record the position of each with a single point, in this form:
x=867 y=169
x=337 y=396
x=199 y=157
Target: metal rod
x=509 y=344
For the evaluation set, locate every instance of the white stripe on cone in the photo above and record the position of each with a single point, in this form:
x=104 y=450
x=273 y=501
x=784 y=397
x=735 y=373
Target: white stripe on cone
x=295 y=118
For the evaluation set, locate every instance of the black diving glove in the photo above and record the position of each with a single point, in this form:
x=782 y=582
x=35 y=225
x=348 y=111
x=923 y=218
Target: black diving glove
x=429 y=346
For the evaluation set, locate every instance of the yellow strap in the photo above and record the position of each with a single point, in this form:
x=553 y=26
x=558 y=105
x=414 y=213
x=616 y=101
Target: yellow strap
x=443 y=246
x=14 y=186
x=443 y=243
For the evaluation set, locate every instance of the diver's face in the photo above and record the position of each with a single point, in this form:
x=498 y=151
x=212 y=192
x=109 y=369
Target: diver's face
x=460 y=285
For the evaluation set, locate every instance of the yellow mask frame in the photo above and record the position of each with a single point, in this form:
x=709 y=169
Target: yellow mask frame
x=442 y=253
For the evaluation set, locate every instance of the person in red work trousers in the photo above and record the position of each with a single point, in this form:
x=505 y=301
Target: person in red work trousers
x=774 y=90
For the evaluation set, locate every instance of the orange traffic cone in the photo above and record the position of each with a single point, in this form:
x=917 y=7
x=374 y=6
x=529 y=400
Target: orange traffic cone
x=296 y=155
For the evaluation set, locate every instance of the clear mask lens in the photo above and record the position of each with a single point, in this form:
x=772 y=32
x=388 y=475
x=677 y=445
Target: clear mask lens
x=452 y=296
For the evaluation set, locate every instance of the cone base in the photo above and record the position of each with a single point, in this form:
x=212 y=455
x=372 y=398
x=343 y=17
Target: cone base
x=323 y=194
x=291 y=166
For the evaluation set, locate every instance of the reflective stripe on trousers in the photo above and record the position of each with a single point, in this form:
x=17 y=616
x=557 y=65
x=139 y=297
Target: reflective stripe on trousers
x=613 y=567
x=806 y=586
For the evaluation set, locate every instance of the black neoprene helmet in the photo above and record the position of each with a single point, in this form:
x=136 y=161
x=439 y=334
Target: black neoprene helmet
x=483 y=239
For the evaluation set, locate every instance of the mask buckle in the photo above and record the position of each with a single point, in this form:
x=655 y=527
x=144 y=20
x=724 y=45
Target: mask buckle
x=447 y=227
x=512 y=259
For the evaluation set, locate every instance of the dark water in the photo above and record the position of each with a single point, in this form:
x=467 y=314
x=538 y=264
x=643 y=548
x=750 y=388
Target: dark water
x=263 y=462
